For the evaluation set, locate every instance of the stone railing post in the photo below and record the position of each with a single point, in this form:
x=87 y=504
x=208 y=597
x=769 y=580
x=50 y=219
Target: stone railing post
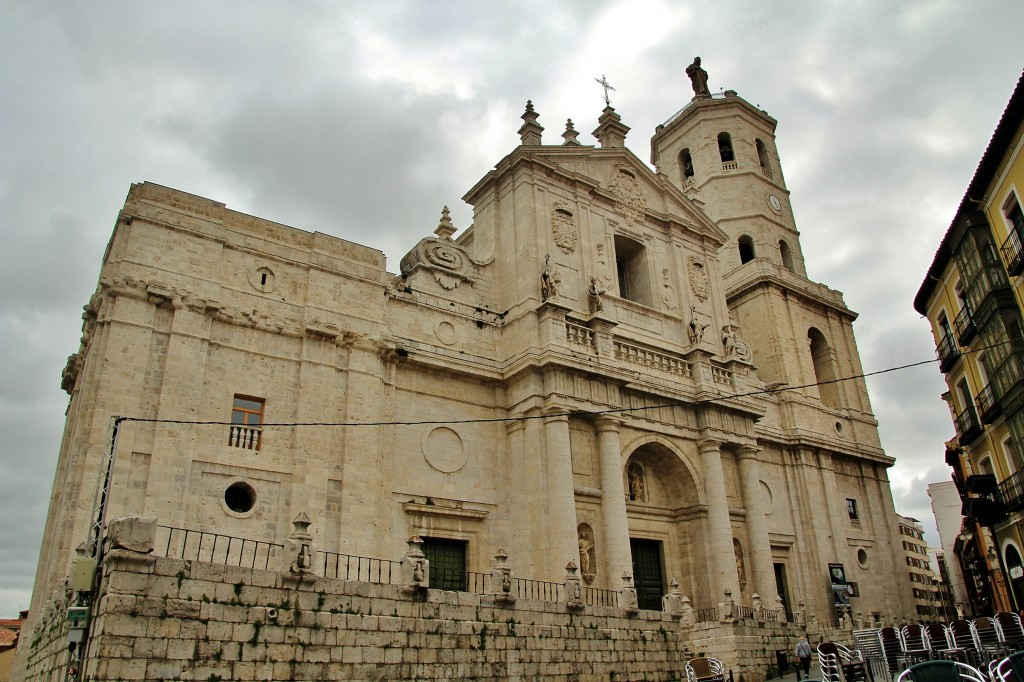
x=688 y=617
x=726 y=610
x=627 y=595
x=780 y=608
x=573 y=587
x=759 y=614
x=672 y=603
x=298 y=547
x=415 y=568
x=501 y=584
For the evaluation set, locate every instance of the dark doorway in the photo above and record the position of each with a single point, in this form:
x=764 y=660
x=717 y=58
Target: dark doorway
x=447 y=563
x=647 y=573
x=780 y=585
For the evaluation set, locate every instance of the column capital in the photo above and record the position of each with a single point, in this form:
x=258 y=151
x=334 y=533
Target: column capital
x=709 y=445
x=608 y=422
x=747 y=451
x=554 y=413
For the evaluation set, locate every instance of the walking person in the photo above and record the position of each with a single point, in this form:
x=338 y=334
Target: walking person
x=803 y=654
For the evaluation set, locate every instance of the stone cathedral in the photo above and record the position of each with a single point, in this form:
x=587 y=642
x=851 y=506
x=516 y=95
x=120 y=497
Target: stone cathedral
x=619 y=364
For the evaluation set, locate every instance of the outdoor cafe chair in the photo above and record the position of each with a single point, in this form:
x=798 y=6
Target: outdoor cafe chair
x=942 y=671
x=705 y=669
x=1012 y=630
x=839 y=663
x=1008 y=669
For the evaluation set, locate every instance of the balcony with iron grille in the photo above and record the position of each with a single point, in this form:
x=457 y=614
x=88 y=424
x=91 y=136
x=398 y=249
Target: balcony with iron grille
x=988 y=406
x=964 y=326
x=1007 y=376
x=1013 y=253
x=1011 y=490
x=948 y=353
x=968 y=428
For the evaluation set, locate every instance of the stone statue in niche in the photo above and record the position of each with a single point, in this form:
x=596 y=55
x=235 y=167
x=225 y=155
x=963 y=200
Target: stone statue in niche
x=669 y=295
x=586 y=543
x=549 y=280
x=594 y=294
x=696 y=328
x=635 y=479
x=741 y=571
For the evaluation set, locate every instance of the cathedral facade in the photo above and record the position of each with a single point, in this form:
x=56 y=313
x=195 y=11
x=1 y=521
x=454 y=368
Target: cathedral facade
x=621 y=367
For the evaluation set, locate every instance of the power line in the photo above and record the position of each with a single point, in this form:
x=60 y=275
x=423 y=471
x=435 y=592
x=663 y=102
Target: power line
x=616 y=410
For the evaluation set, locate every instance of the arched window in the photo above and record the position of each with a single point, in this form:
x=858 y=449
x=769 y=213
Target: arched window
x=686 y=164
x=746 y=243
x=725 y=148
x=762 y=155
x=824 y=368
x=787 y=255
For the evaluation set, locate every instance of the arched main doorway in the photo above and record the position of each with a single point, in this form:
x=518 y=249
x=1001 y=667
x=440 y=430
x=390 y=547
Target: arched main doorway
x=667 y=525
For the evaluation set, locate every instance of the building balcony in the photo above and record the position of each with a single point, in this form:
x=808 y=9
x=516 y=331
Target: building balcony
x=1013 y=253
x=988 y=406
x=1007 y=376
x=1011 y=490
x=964 y=326
x=968 y=428
x=948 y=353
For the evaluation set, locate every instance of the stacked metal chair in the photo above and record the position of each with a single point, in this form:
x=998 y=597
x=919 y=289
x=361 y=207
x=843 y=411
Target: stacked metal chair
x=941 y=643
x=870 y=648
x=988 y=640
x=1012 y=630
x=962 y=635
x=892 y=648
x=840 y=664
x=705 y=669
x=914 y=644
x=1008 y=669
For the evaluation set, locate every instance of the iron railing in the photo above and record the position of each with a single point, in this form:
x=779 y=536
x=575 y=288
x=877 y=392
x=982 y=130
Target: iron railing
x=707 y=615
x=964 y=325
x=948 y=353
x=538 y=589
x=988 y=406
x=746 y=613
x=968 y=428
x=361 y=568
x=593 y=596
x=1013 y=253
x=1011 y=490
x=214 y=548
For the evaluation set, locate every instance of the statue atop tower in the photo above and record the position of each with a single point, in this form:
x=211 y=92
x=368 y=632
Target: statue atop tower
x=699 y=78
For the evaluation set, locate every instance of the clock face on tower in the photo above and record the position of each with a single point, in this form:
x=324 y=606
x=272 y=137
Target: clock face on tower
x=775 y=203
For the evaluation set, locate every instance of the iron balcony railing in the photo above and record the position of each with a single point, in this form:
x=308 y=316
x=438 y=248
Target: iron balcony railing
x=948 y=353
x=361 y=568
x=967 y=426
x=988 y=406
x=964 y=325
x=1007 y=375
x=1011 y=490
x=1013 y=253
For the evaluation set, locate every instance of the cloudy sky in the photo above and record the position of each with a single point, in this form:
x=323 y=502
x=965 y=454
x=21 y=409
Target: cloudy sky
x=363 y=120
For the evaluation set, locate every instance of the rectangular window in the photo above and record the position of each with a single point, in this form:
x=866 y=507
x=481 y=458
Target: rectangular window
x=851 y=509
x=246 y=422
x=1014 y=215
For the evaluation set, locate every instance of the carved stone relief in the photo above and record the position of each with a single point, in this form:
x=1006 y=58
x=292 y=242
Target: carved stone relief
x=629 y=197
x=668 y=296
x=698 y=274
x=443 y=449
x=563 y=227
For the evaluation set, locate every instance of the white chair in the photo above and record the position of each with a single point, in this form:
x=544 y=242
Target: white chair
x=705 y=669
x=839 y=663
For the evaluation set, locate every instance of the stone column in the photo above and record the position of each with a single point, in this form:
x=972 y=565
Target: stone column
x=722 y=559
x=562 y=542
x=757 y=525
x=615 y=533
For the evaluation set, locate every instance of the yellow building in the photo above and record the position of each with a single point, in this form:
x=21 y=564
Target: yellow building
x=973 y=300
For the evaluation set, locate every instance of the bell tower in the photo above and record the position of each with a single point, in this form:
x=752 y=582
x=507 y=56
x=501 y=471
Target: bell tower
x=720 y=151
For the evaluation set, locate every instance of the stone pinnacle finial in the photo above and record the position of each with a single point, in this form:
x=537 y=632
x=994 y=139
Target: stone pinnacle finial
x=530 y=131
x=445 y=228
x=570 y=135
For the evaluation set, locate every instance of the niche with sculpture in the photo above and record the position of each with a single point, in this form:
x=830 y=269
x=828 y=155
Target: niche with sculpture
x=636 y=482
x=588 y=560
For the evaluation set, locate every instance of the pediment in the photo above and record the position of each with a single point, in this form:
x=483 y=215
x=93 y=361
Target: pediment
x=637 y=193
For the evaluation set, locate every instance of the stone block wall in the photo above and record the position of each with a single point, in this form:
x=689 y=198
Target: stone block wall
x=168 y=619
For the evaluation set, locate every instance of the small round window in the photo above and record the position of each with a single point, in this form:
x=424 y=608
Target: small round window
x=240 y=497
x=862 y=557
